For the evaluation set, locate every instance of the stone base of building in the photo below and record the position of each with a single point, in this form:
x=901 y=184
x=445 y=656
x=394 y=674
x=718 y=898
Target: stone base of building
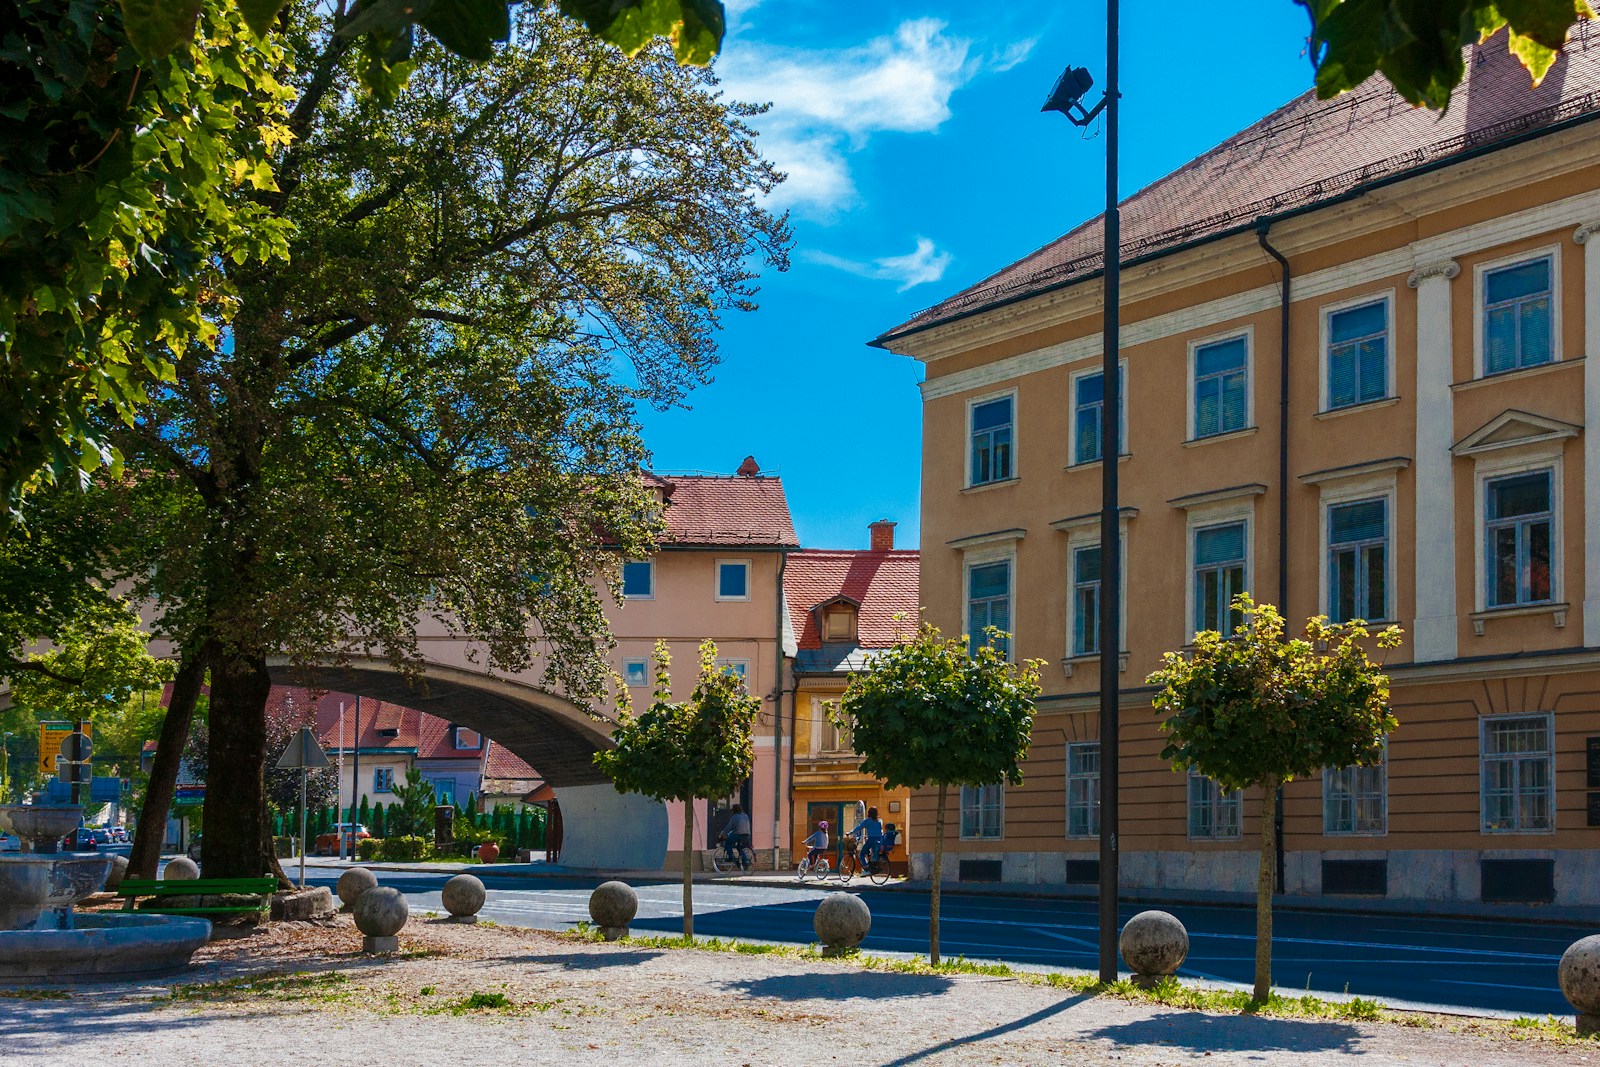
x=1558 y=877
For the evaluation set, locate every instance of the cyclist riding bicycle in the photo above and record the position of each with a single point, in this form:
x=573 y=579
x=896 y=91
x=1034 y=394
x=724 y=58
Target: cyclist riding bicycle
x=869 y=832
x=817 y=844
x=736 y=838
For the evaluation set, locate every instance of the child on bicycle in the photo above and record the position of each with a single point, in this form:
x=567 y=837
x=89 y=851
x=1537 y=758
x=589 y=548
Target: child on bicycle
x=817 y=844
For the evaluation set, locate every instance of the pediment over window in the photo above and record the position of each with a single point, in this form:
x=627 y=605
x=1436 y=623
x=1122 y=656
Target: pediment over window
x=1511 y=429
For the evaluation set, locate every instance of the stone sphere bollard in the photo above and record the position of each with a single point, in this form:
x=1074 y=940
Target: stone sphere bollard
x=379 y=914
x=1153 y=946
x=612 y=906
x=1579 y=974
x=353 y=883
x=182 y=868
x=841 y=922
x=119 y=871
x=463 y=898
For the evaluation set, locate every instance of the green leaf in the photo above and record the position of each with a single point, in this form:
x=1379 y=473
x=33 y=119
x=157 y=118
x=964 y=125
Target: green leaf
x=260 y=14
x=469 y=28
x=695 y=27
x=156 y=27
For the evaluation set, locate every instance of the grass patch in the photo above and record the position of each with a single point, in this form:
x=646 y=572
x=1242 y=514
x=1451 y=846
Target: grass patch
x=479 y=1003
x=35 y=994
x=277 y=985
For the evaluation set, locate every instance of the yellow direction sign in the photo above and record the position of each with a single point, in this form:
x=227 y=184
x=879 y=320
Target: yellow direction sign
x=51 y=734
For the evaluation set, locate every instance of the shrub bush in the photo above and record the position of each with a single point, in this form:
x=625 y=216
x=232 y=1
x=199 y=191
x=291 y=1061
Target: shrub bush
x=285 y=847
x=369 y=848
x=403 y=849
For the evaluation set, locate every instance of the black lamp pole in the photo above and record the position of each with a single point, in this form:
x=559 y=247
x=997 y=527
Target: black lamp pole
x=1110 y=528
x=1066 y=98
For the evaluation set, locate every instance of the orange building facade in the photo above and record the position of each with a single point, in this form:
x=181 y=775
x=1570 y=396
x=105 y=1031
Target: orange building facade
x=1426 y=451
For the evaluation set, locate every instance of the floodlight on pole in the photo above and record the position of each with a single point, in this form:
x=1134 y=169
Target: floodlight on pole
x=1067 y=99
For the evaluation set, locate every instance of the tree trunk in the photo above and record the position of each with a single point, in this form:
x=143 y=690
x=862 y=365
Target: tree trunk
x=938 y=877
x=1266 y=877
x=237 y=842
x=151 y=831
x=688 y=868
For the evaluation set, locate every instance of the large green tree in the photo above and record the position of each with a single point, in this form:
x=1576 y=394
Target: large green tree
x=929 y=712
x=1253 y=710
x=134 y=139
x=696 y=749
x=428 y=406
x=1417 y=44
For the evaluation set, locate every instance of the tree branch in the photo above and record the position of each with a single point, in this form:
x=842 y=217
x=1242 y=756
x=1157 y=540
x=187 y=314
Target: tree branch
x=10 y=666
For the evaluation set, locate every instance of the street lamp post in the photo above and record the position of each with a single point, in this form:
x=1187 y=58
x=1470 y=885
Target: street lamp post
x=1066 y=98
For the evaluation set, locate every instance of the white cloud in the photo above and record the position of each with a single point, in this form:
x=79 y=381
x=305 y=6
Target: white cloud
x=926 y=263
x=827 y=104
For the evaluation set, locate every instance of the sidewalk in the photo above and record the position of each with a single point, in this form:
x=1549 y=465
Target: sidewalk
x=492 y=996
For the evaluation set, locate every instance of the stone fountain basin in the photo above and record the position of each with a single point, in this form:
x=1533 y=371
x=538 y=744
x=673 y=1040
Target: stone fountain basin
x=51 y=880
x=40 y=822
x=102 y=948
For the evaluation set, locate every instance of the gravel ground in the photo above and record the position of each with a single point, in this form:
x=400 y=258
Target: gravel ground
x=303 y=993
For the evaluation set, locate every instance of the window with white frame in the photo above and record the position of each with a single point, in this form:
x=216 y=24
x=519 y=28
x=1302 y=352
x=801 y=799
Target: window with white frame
x=982 y=812
x=830 y=736
x=1358 y=560
x=991 y=440
x=988 y=602
x=1086 y=600
x=733 y=579
x=1518 y=320
x=636 y=672
x=1083 y=789
x=383 y=780
x=1358 y=354
x=1517 y=773
x=1214 y=814
x=1221 y=387
x=1519 y=527
x=639 y=580
x=739 y=667
x=1355 y=800
x=1088 y=414
x=1219 y=575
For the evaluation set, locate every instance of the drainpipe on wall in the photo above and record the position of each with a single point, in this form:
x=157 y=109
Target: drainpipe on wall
x=777 y=720
x=1263 y=226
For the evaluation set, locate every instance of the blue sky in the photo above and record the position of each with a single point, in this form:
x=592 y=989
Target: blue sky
x=919 y=163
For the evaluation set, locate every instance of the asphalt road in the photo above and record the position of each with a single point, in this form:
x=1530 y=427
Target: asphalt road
x=1477 y=965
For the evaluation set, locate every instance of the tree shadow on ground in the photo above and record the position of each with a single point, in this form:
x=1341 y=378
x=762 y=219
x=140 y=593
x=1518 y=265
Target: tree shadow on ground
x=998 y=1030
x=590 y=961
x=845 y=985
x=43 y=1031
x=1200 y=1032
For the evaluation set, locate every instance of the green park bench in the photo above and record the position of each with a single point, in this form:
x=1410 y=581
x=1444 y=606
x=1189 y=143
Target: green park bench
x=260 y=888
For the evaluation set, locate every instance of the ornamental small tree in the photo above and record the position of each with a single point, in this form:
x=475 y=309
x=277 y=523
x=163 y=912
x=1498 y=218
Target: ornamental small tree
x=1254 y=711
x=927 y=712
x=412 y=812
x=695 y=749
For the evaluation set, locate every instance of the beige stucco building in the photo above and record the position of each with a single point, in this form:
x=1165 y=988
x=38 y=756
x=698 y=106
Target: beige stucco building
x=717 y=574
x=1425 y=451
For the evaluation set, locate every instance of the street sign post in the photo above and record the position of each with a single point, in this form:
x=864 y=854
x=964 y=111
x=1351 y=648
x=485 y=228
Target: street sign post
x=51 y=735
x=305 y=753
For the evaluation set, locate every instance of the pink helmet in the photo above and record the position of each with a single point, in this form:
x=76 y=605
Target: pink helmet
x=823 y=825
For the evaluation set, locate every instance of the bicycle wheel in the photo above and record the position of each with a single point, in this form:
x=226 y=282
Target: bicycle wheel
x=878 y=873
x=747 y=859
x=712 y=858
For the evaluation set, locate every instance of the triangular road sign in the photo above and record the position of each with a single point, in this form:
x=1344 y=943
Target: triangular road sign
x=303 y=751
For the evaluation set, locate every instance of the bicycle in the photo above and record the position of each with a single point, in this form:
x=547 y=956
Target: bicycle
x=818 y=868
x=729 y=857
x=877 y=871
x=849 y=859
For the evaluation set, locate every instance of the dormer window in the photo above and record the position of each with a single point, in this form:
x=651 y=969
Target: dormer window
x=464 y=739
x=839 y=623
x=837 y=620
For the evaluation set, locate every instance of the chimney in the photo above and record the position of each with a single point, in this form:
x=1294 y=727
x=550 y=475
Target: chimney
x=882 y=535
x=749 y=468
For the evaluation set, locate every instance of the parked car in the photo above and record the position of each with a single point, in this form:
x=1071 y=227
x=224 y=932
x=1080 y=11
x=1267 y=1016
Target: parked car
x=102 y=836
x=328 y=844
x=80 y=840
x=10 y=842
x=119 y=834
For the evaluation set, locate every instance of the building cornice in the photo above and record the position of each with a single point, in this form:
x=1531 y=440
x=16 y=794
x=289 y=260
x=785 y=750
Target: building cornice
x=1090 y=518
x=1356 y=470
x=994 y=537
x=1217 y=496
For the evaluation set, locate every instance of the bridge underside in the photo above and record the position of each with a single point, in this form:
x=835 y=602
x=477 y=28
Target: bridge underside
x=602 y=828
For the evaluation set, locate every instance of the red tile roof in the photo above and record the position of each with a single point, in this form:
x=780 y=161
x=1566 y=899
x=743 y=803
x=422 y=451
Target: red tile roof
x=883 y=583
x=1305 y=153
x=415 y=731
x=504 y=763
x=740 y=510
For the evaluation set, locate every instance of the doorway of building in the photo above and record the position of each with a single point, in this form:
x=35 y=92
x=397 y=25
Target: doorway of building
x=841 y=815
